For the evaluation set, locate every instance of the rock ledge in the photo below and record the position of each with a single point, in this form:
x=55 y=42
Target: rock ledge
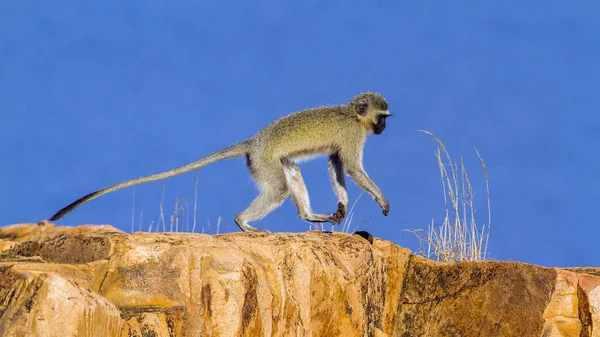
x=99 y=281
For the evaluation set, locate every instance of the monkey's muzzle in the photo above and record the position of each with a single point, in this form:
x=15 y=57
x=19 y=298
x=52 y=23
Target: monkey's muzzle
x=380 y=125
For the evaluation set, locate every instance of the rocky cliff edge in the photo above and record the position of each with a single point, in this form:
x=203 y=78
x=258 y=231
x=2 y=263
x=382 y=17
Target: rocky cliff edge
x=99 y=281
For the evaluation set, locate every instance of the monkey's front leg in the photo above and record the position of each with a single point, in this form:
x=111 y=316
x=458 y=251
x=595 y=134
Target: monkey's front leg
x=336 y=171
x=362 y=179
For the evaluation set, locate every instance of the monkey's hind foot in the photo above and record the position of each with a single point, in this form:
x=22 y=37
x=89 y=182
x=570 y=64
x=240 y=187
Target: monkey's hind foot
x=336 y=218
x=250 y=229
x=247 y=228
x=339 y=214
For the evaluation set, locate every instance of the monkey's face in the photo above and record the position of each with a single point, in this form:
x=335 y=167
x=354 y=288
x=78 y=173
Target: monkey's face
x=372 y=111
x=379 y=124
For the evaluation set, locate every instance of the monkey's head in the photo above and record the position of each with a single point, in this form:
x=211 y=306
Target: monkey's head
x=371 y=109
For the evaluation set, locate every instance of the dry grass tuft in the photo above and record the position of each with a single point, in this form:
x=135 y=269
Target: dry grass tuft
x=458 y=238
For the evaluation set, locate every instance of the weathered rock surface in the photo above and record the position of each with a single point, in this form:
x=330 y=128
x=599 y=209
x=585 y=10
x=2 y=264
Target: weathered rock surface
x=99 y=281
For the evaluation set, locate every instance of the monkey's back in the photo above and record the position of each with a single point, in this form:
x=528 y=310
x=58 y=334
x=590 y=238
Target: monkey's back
x=306 y=133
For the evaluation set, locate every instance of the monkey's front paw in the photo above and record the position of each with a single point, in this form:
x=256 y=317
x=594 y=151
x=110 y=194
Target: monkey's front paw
x=385 y=206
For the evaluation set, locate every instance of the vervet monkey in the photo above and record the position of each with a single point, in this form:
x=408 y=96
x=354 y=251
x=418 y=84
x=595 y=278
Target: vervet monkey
x=271 y=155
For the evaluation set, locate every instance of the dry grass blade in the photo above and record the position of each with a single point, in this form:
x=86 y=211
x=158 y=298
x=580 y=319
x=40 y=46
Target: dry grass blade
x=348 y=219
x=195 y=204
x=489 y=203
x=179 y=209
x=162 y=213
x=141 y=220
x=133 y=210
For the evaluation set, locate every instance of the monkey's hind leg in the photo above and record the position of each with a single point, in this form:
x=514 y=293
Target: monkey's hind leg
x=274 y=191
x=299 y=192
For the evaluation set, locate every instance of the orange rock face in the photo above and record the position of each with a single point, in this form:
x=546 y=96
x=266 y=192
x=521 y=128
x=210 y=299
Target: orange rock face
x=98 y=281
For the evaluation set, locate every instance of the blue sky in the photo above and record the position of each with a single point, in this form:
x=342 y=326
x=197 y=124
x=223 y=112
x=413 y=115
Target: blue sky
x=93 y=93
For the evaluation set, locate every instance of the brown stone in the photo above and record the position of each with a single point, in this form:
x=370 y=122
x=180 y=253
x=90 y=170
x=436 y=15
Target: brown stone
x=37 y=303
x=44 y=230
x=98 y=281
x=473 y=299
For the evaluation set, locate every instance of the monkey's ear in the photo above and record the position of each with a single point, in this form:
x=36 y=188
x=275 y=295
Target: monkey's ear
x=361 y=107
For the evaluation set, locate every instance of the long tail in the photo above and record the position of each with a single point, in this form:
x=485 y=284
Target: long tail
x=236 y=150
